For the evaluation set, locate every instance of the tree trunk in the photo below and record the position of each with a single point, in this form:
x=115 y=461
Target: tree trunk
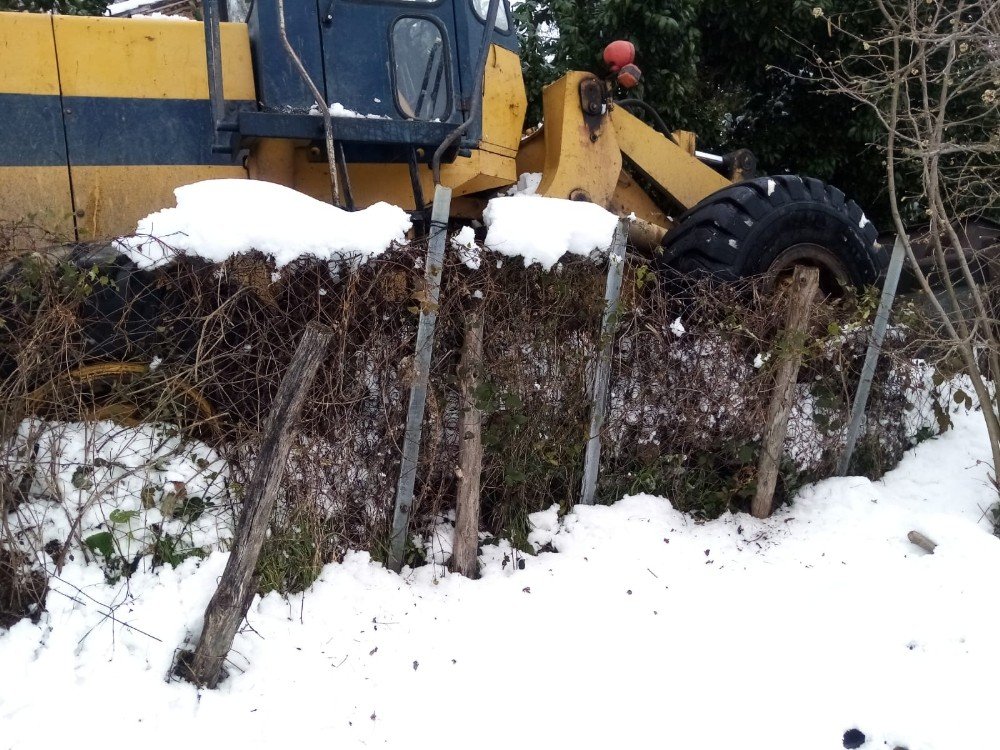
x=465 y=551
x=232 y=599
x=803 y=291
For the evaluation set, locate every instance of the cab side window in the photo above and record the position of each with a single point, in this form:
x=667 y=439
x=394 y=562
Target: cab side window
x=420 y=69
x=238 y=10
x=482 y=7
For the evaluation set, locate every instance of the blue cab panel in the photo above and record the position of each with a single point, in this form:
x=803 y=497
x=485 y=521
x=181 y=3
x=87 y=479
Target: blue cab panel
x=411 y=62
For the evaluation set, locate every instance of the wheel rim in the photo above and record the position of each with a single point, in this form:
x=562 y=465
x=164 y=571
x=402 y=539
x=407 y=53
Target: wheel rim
x=834 y=281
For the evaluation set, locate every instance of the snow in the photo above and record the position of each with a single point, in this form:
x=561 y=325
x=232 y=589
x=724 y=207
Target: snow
x=126 y=5
x=464 y=241
x=542 y=230
x=161 y=17
x=677 y=328
x=135 y=487
x=644 y=629
x=544 y=526
x=216 y=219
x=339 y=110
x=527 y=184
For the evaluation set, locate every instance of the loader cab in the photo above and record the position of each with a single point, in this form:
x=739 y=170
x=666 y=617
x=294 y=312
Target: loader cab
x=398 y=74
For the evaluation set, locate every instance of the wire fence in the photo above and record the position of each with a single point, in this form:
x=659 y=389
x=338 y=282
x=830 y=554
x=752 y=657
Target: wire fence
x=204 y=346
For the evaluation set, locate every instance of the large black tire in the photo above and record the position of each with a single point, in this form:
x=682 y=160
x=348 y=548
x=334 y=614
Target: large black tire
x=769 y=225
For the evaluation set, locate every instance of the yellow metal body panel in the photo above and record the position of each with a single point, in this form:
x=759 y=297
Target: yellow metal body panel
x=111 y=200
x=578 y=161
x=27 y=54
x=372 y=183
x=531 y=152
x=630 y=198
x=504 y=103
x=148 y=59
x=273 y=160
x=686 y=140
x=38 y=196
x=679 y=174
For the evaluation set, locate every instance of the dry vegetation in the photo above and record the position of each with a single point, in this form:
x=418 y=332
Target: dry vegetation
x=685 y=415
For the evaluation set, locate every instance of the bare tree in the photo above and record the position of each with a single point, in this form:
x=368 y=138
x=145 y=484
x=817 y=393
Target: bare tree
x=930 y=72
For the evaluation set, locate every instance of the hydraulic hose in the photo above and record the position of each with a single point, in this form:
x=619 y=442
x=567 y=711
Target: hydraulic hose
x=660 y=124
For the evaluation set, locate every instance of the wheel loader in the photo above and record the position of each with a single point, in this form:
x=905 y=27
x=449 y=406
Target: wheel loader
x=104 y=117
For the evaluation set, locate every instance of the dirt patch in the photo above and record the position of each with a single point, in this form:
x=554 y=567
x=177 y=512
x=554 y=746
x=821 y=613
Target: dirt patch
x=22 y=590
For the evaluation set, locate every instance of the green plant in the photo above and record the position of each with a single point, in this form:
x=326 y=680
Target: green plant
x=171 y=550
x=123 y=543
x=65 y=7
x=292 y=556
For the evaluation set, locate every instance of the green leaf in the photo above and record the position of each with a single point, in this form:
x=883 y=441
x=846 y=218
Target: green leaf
x=101 y=543
x=119 y=516
x=192 y=508
x=483 y=395
x=81 y=477
x=514 y=476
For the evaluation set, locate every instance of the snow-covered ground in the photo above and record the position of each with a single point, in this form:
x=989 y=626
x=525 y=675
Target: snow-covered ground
x=645 y=629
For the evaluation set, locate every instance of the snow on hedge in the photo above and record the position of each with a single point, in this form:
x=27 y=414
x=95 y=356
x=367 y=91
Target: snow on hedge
x=542 y=230
x=123 y=492
x=216 y=219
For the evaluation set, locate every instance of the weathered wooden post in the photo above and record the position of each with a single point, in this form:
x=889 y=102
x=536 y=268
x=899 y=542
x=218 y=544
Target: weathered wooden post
x=802 y=293
x=602 y=376
x=465 y=550
x=231 y=600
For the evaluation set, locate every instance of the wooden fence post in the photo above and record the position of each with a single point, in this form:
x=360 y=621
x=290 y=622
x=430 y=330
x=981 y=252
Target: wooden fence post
x=804 y=286
x=231 y=600
x=465 y=550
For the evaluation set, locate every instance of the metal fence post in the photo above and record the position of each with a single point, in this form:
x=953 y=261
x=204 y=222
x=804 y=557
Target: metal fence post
x=421 y=374
x=609 y=324
x=874 y=350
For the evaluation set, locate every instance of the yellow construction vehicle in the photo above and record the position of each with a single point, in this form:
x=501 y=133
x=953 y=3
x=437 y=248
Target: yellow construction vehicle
x=104 y=117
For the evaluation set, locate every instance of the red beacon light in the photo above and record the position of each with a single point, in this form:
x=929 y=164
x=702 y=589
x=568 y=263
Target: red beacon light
x=629 y=76
x=619 y=54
